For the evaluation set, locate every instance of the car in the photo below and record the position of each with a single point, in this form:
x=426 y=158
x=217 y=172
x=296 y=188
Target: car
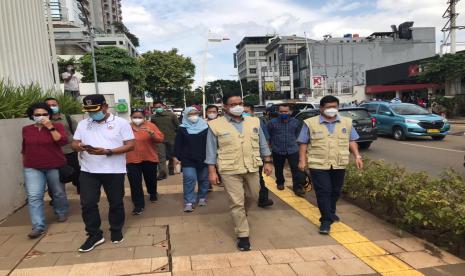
x=403 y=120
x=361 y=120
x=178 y=111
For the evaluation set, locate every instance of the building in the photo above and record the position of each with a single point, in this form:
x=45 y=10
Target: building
x=250 y=51
x=339 y=64
x=25 y=55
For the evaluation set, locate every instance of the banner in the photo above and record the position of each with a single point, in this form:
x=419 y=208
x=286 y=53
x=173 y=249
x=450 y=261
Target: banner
x=317 y=82
x=269 y=86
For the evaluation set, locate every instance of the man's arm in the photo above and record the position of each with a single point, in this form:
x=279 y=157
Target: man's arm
x=353 y=147
x=211 y=157
x=265 y=153
x=303 y=140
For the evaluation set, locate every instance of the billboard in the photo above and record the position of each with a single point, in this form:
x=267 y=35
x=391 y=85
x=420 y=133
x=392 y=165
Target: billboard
x=317 y=82
x=269 y=86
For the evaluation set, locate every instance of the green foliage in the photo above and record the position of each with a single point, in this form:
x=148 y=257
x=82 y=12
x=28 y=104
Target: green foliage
x=14 y=100
x=217 y=88
x=62 y=63
x=121 y=28
x=444 y=104
x=251 y=99
x=114 y=64
x=414 y=201
x=168 y=74
x=447 y=67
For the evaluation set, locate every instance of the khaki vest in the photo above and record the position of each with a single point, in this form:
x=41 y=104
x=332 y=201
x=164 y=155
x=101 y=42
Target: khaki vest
x=238 y=153
x=326 y=150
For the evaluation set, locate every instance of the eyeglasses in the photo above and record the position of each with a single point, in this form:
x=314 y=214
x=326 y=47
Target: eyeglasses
x=138 y=110
x=41 y=114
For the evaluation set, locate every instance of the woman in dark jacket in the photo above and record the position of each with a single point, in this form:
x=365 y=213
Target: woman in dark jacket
x=189 y=149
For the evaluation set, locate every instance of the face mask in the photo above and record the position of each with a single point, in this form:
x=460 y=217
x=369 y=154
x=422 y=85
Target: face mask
x=331 y=112
x=193 y=119
x=284 y=116
x=97 y=116
x=245 y=114
x=137 y=121
x=38 y=119
x=159 y=110
x=237 y=110
x=55 y=109
x=212 y=116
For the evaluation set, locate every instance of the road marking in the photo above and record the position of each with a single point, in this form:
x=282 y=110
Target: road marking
x=436 y=148
x=364 y=249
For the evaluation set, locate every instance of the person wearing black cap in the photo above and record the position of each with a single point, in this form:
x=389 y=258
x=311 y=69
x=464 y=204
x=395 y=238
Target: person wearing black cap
x=102 y=140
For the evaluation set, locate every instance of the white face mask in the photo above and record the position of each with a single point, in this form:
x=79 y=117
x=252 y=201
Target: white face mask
x=137 y=121
x=212 y=116
x=39 y=119
x=193 y=118
x=237 y=110
x=331 y=112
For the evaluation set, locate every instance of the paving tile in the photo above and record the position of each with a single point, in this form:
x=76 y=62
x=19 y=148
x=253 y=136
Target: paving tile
x=341 y=251
x=317 y=253
x=160 y=264
x=313 y=268
x=206 y=272
x=349 y=267
x=181 y=263
x=445 y=270
x=200 y=262
x=282 y=256
x=102 y=268
x=389 y=246
x=409 y=244
x=449 y=258
x=273 y=270
x=233 y=271
x=420 y=259
x=58 y=237
x=126 y=267
x=43 y=271
x=246 y=258
x=47 y=259
x=149 y=252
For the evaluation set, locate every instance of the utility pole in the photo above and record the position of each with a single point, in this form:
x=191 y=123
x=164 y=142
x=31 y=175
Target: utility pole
x=310 y=65
x=450 y=28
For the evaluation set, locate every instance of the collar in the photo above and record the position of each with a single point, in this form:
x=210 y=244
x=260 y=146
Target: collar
x=324 y=121
x=231 y=119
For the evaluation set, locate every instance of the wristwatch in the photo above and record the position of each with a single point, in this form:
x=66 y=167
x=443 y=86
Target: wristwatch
x=109 y=153
x=268 y=162
x=51 y=129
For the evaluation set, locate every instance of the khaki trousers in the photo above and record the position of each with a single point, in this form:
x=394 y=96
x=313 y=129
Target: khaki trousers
x=236 y=186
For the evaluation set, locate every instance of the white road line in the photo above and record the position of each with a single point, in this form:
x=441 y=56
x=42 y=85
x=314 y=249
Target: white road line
x=428 y=147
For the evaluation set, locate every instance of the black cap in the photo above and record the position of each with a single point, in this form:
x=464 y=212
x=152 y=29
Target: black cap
x=93 y=103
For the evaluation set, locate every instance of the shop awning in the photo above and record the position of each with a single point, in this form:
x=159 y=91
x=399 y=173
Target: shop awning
x=373 y=89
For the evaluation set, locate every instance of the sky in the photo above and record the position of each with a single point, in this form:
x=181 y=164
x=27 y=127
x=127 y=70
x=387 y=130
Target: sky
x=184 y=24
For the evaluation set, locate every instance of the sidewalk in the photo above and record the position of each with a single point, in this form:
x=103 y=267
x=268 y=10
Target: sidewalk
x=166 y=241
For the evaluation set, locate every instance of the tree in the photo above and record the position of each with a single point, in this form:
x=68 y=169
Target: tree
x=168 y=74
x=63 y=63
x=121 y=28
x=215 y=89
x=114 y=64
x=445 y=68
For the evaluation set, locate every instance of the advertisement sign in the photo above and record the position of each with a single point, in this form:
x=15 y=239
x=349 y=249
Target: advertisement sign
x=148 y=97
x=317 y=82
x=269 y=86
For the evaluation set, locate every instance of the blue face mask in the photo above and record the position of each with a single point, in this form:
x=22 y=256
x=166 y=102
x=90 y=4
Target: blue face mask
x=55 y=109
x=245 y=114
x=284 y=116
x=97 y=116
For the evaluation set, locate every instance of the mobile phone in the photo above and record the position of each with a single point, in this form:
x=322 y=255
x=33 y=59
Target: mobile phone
x=88 y=147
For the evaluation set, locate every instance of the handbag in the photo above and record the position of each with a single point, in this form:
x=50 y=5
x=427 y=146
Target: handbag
x=66 y=173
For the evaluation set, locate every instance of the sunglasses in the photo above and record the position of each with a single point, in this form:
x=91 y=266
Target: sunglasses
x=138 y=110
x=41 y=114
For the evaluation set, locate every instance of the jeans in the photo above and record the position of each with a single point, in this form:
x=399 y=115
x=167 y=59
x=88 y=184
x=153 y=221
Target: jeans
x=35 y=180
x=136 y=171
x=113 y=185
x=191 y=176
x=297 y=175
x=327 y=185
x=263 y=194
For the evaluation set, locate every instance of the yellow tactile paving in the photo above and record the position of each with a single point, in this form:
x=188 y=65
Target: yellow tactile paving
x=367 y=251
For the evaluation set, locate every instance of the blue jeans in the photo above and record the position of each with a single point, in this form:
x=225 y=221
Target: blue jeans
x=191 y=176
x=35 y=180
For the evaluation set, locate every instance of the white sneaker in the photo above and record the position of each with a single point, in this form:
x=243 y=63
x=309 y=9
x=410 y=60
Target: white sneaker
x=202 y=202
x=188 y=208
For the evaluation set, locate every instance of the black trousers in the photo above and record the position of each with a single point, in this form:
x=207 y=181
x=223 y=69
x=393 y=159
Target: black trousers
x=72 y=159
x=293 y=160
x=147 y=170
x=263 y=194
x=113 y=185
x=328 y=186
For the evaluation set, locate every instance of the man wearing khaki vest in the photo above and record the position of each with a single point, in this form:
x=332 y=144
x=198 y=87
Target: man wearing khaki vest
x=238 y=147
x=325 y=145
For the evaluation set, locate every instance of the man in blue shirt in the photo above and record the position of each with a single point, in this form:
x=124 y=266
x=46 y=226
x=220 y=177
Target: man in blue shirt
x=283 y=132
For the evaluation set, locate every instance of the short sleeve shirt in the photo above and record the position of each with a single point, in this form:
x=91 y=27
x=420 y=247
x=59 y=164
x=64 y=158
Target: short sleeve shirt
x=109 y=135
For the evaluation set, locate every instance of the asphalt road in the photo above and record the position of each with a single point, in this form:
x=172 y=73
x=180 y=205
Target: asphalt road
x=422 y=154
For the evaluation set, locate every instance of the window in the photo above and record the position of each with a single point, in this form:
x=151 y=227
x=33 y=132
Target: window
x=253 y=70
x=253 y=62
x=371 y=107
x=383 y=109
x=251 y=53
x=120 y=42
x=261 y=53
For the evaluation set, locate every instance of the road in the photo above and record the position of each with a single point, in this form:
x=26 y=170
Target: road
x=422 y=154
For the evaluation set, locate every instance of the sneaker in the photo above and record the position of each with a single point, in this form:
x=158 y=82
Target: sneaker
x=171 y=172
x=116 y=237
x=243 y=244
x=335 y=218
x=265 y=203
x=299 y=192
x=188 y=208
x=325 y=227
x=202 y=202
x=91 y=243
x=153 y=198
x=62 y=218
x=161 y=177
x=137 y=211
x=281 y=187
x=36 y=233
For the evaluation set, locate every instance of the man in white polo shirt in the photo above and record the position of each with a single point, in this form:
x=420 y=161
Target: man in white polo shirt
x=102 y=141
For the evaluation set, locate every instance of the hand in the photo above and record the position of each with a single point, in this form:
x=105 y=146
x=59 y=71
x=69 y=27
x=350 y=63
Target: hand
x=147 y=130
x=359 y=163
x=47 y=123
x=213 y=178
x=302 y=165
x=79 y=148
x=97 y=151
x=268 y=168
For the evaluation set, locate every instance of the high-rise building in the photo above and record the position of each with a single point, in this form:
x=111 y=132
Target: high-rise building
x=250 y=52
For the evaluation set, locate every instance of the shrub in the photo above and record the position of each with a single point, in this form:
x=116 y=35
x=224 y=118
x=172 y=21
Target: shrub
x=14 y=100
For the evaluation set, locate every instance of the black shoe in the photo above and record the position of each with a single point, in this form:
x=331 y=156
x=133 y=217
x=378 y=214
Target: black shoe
x=265 y=203
x=137 y=211
x=116 y=237
x=171 y=172
x=281 y=187
x=299 y=192
x=35 y=233
x=243 y=244
x=153 y=198
x=325 y=227
x=91 y=243
x=335 y=218
x=161 y=177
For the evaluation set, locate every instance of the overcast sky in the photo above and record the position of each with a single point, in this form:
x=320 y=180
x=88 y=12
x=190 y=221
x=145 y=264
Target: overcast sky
x=184 y=24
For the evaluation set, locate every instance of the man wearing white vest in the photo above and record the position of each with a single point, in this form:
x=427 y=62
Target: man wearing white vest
x=325 y=145
x=237 y=145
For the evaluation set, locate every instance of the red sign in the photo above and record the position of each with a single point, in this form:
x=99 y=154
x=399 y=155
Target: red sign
x=317 y=81
x=413 y=70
